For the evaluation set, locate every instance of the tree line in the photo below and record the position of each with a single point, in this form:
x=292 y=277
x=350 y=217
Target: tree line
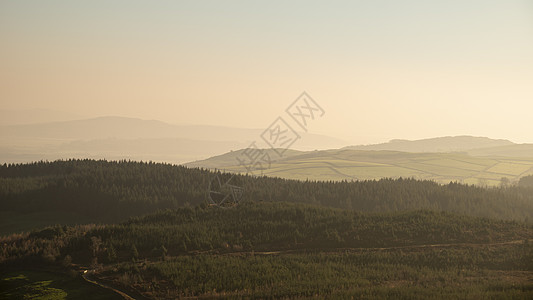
x=115 y=190
x=257 y=227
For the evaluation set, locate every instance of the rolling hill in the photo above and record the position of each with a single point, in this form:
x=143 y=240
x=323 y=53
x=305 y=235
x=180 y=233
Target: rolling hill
x=280 y=251
x=348 y=164
x=517 y=150
x=286 y=238
x=89 y=191
x=439 y=144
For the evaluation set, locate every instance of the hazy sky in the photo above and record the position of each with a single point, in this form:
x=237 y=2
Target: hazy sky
x=380 y=69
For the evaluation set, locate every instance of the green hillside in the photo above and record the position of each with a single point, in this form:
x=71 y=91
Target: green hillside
x=89 y=191
x=281 y=250
x=518 y=151
x=346 y=164
x=230 y=159
x=401 y=238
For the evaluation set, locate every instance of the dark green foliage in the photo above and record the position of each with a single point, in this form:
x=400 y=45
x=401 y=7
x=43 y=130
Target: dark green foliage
x=407 y=274
x=261 y=227
x=275 y=226
x=112 y=254
x=111 y=191
x=526 y=181
x=288 y=250
x=49 y=233
x=134 y=252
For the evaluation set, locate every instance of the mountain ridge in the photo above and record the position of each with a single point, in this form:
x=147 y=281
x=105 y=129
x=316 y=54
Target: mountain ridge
x=115 y=137
x=127 y=127
x=437 y=144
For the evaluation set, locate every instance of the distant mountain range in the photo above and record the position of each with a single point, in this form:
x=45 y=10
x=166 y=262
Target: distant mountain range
x=131 y=138
x=217 y=147
x=34 y=116
x=439 y=144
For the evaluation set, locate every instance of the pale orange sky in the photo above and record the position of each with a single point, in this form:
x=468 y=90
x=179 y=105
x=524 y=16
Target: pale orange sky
x=380 y=69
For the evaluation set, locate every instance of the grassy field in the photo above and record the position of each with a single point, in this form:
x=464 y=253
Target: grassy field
x=48 y=285
x=345 y=164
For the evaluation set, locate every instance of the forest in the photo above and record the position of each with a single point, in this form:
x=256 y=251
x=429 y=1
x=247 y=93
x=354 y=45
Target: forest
x=154 y=235
x=107 y=191
x=263 y=250
x=526 y=181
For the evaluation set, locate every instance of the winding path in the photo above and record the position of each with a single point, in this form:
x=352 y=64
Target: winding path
x=88 y=276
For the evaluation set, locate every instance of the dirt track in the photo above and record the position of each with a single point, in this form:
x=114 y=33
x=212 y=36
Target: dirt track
x=130 y=295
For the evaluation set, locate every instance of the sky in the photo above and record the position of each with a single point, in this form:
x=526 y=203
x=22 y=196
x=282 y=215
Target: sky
x=379 y=69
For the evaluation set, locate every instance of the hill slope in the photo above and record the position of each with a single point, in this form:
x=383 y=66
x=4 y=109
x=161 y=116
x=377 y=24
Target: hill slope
x=101 y=191
x=347 y=164
x=280 y=250
x=517 y=150
x=439 y=144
